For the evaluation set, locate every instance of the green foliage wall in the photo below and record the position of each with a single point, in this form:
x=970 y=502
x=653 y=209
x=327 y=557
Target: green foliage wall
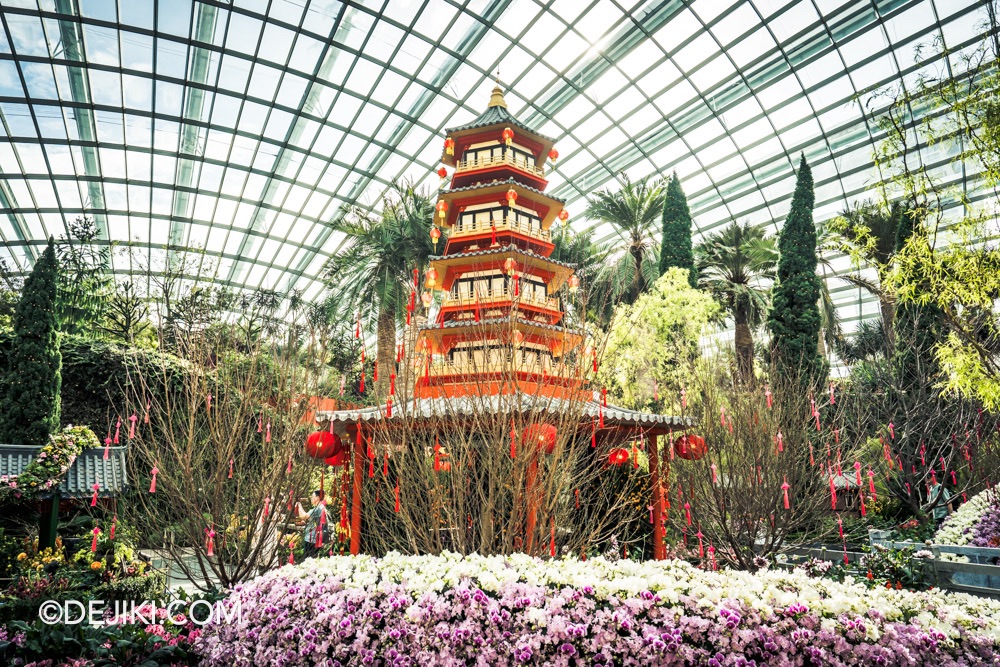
x=794 y=319
x=31 y=401
x=675 y=246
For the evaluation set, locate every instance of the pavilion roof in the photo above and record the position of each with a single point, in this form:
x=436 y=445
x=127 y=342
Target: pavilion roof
x=90 y=467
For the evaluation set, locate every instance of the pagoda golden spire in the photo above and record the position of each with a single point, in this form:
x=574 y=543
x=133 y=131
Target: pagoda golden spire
x=496 y=99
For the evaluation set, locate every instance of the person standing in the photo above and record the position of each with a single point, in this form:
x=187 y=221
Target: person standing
x=317 y=523
x=940 y=502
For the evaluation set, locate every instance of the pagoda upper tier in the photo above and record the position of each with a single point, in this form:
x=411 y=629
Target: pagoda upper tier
x=500 y=323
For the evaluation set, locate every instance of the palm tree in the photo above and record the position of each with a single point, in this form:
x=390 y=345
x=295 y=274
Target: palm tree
x=634 y=215
x=373 y=273
x=867 y=233
x=737 y=266
x=578 y=248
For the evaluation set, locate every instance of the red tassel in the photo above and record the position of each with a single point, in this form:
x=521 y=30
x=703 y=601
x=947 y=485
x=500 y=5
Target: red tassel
x=385 y=466
x=817 y=423
x=319 y=531
x=291 y=555
x=780 y=439
x=231 y=468
x=862 y=496
x=131 y=429
x=477 y=308
x=392 y=384
x=687 y=513
x=832 y=399
x=357 y=329
x=871 y=483
x=375 y=373
x=846 y=561
x=114 y=524
x=388 y=408
x=833 y=494
x=576 y=495
x=784 y=489
x=289 y=469
x=701 y=546
x=145 y=417
x=812 y=461
x=397 y=495
x=715 y=478
x=840 y=526
x=593 y=432
x=493 y=234
x=361 y=388
x=210 y=542
x=93 y=543
x=152 y=482
x=118 y=428
x=857 y=473
x=836 y=435
x=371 y=467
x=594 y=352
x=892 y=431
x=267 y=508
x=209 y=402
x=107 y=448
x=769 y=397
x=267 y=435
x=357 y=439
x=517 y=283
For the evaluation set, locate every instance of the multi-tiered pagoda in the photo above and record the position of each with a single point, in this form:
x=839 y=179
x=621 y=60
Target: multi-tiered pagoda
x=497 y=339
x=499 y=327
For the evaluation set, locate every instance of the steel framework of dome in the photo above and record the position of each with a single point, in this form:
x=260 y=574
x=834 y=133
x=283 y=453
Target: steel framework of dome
x=233 y=133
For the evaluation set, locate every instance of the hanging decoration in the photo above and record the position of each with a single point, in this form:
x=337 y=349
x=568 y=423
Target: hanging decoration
x=322 y=445
x=442 y=173
x=511 y=197
x=574 y=283
x=553 y=155
x=107 y=448
x=442 y=209
x=564 y=217
x=93 y=543
x=690 y=447
x=131 y=429
x=784 y=491
x=431 y=278
x=544 y=435
x=93 y=499
x=449 y=146
x=152 y=482
x=507 y=135
x=618 y=456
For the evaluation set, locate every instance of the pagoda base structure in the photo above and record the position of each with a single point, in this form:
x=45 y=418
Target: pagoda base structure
x=620 y=425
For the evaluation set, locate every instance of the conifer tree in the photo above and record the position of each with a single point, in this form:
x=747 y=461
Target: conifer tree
x=31 y=402
x=794 y=318
x=675 y=245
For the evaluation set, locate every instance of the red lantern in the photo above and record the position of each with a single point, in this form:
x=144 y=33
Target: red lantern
x=321 y=444
x=510 y=266
x=542 y=434
x=426 y=299
x=442 y=208
x=507 y=135
x=449 y=146
x=435 y=235
x=511 y=197
x=690 y=447
x=518 y=338
x=618 y=456
x=338 y=459
x=432 y=277
x=574 y=283
x=553 y=155
x=442 y=173
x=564 y=216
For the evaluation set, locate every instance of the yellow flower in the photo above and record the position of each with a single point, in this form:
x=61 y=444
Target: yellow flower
x=22 y=556
x=96 y=565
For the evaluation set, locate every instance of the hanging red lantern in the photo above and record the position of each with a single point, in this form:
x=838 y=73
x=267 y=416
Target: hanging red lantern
x=338 y=459
x=553 y=155
x=449 y=146
x=435 y=235
x=507 y=135
x=509 y=266
x=426 y=299
x=511 y=197
x=442 y=208
x=442 y=173
x=690 y=447
x=321 y=444
x=574 y=283
x=618 y=456
x=544 y=435
x=431 y=277
x=564 y=216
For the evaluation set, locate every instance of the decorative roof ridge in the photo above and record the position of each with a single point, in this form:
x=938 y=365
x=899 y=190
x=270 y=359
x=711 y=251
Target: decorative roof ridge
x=500 y=249
x=496 y=114
x=508 y=181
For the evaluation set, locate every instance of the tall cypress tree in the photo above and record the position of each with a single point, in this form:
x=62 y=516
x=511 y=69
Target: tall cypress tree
x=31 y=404
x=675 y=245
x=794 y=319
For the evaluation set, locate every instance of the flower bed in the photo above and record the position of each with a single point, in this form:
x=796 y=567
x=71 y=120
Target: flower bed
x=960 y=526
x=495 y=611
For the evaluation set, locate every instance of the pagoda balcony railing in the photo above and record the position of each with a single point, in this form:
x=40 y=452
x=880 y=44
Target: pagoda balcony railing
x=491 y=161
x=491 y=296
x=444 y=368
x=508 y=224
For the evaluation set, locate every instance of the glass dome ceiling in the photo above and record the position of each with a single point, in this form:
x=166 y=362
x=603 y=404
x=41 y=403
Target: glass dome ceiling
x=231 y=133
